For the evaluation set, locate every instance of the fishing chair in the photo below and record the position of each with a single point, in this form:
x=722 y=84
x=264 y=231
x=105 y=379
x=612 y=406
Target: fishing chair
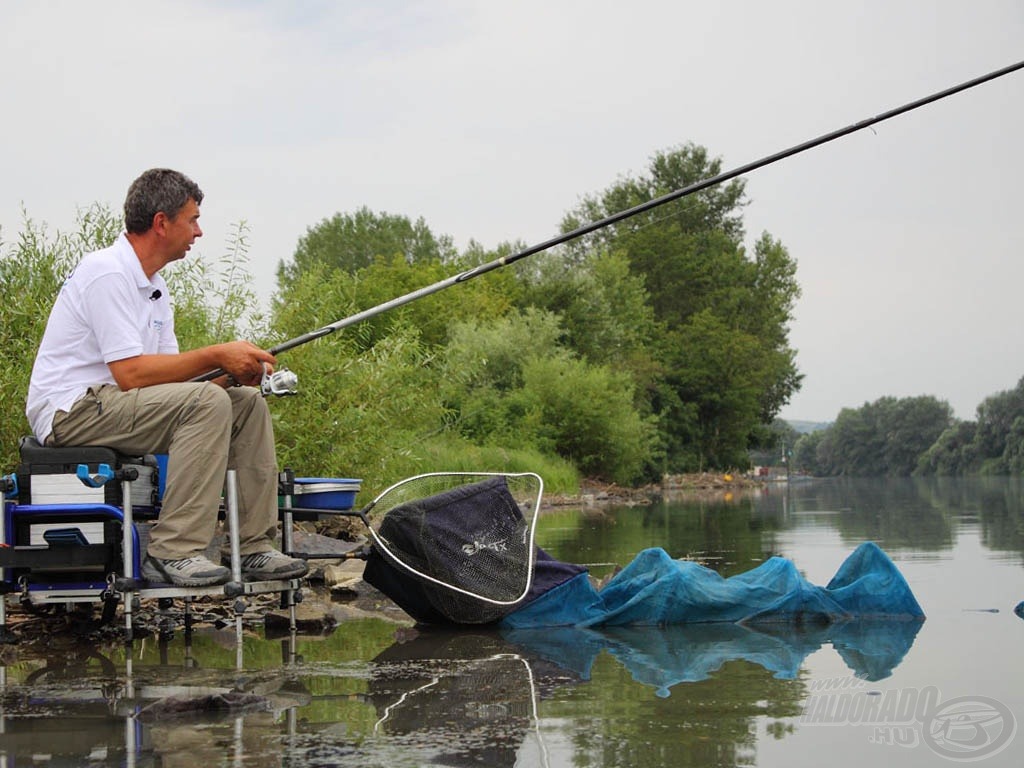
x=75 y=528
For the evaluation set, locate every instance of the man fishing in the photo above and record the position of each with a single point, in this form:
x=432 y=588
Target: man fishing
x=109 y=372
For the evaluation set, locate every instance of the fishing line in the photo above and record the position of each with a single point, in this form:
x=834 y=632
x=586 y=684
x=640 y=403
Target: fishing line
x=586 y=229
x=672 y=214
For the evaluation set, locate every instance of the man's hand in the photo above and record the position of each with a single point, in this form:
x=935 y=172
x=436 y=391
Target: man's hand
x=245 y=361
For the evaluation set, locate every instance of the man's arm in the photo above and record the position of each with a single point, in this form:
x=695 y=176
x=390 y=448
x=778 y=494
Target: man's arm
x=242 y=359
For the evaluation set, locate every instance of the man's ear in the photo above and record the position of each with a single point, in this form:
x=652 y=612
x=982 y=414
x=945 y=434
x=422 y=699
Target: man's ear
x=160 y=222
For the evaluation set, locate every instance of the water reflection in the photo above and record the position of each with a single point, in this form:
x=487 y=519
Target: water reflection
x=100 y=707
x=451 y=698
x=502 y=699
x=919 y=513
x=369 y=695
x=465 y=698
x=663 y=657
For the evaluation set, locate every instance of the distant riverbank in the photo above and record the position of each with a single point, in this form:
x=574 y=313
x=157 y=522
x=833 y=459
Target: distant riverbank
x=594 y=492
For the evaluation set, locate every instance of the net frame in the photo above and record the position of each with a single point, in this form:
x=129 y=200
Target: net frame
x=392 y=497
x=461 y=666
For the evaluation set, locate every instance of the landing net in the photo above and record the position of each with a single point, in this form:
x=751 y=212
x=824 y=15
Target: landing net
x=458 y=545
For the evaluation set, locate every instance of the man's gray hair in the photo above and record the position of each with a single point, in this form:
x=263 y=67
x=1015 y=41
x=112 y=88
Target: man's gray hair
x=158 y=190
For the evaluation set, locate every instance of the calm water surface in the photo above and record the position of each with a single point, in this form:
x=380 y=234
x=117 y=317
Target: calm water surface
x=948 y=690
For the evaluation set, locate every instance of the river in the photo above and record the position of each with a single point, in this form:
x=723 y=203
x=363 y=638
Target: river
x=946 y=690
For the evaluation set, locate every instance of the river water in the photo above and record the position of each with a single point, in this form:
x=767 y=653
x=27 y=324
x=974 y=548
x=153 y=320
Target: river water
x=948 y=690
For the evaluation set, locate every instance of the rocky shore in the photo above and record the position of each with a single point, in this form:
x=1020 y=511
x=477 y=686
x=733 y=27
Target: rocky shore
x=593 y=492
x=335 y=591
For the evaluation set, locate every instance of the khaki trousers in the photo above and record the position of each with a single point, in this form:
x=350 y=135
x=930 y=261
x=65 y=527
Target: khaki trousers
x=205 y=430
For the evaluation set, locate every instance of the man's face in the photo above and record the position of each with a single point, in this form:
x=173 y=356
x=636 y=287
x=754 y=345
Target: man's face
x=182 y=230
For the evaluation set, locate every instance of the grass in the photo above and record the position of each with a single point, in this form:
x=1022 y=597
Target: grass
x=449 y=455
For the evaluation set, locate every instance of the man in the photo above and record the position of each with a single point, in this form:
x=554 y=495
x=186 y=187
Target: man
x=109 y=372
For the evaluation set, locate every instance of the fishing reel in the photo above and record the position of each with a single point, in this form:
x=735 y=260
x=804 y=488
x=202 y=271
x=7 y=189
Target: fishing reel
x=281 y=382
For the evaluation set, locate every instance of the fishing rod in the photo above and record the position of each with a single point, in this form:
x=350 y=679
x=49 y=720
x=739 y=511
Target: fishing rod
x=615 y=218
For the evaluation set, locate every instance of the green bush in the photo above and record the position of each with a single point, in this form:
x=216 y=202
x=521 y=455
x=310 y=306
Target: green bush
x=586 y=413
x=509 y=382
x=358 y=413
x=32 y=270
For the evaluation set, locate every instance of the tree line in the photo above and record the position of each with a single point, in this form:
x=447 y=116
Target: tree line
x=919 y=436
x=657 y=345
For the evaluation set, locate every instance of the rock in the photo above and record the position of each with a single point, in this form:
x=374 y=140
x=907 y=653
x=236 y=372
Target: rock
x=342 y=580
x=231 y=702
x=318 y=544
x=343 y=527
x=312 y=617
x=322 y=548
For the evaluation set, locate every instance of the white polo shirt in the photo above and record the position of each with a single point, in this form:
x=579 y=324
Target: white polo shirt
x=104 y=312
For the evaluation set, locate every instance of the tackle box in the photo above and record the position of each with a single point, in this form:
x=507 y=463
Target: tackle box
x=327 y=493
x=64 y=546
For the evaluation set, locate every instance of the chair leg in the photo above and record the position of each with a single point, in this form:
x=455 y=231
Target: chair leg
x=128 y=555
x=3 y=594
x=231 y=513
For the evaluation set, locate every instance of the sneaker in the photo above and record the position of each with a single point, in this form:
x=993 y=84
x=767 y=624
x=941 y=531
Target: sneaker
x=271 y=565
x=195 y=571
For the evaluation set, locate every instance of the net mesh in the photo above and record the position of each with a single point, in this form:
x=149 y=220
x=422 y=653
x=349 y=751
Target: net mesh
x=459 y=546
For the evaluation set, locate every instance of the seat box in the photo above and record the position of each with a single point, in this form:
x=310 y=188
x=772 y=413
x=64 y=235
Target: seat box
x=48 y=476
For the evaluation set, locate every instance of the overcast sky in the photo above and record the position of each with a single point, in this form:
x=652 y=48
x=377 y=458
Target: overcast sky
x=491 y=119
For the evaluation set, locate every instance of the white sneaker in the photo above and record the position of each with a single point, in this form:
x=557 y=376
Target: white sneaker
x=195 y=571
x=271 y=565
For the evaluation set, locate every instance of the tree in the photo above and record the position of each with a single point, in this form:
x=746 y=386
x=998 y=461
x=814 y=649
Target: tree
x=321 y=296
x=359 y=412
x=808 y=454
x=887 y=437
x=720 y=370
x=352 y=241
x=604 y=307
x=214 y=300
x=585 y=412
x=996 y=416
x=721 y=365
x=712 y=209
x=1013 y=455
x=772 y=441
x=914 y=424
x=953 y=453
x=605 y=311
x=773 y=291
